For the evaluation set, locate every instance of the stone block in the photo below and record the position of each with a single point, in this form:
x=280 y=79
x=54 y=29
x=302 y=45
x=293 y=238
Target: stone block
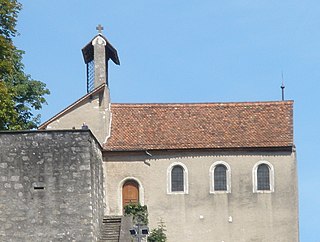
x=3 y=178
x=85 y=167
x=14 y=178
x=18 y=186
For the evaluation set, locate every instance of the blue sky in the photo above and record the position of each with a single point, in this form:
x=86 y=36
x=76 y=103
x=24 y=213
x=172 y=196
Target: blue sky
x=189 y=51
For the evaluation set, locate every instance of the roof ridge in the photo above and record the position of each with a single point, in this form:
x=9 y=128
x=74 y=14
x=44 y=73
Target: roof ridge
x=254 y=103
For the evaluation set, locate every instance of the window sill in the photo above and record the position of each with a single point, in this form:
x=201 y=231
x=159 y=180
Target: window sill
x=219 y=192
x=263 y=191
x=176 y=193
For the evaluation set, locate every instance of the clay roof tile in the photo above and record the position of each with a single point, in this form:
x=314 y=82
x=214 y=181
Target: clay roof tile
x=204 y=125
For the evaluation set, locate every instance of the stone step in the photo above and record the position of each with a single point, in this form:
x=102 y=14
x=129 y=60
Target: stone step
x=108 y=240
x=111 y=233
x=110 y=229
x=113 y=226
x=112 y=221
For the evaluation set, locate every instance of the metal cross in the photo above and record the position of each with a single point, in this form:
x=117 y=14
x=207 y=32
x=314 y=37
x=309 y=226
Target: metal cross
x=99 y=28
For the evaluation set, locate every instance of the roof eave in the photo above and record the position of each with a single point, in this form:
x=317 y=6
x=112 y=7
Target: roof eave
x=261 y=148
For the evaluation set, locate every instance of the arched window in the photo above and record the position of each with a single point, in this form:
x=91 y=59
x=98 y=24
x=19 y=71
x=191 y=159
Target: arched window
x=263 y=177
x=220 y=177
x=177 y=174
x=177 y=179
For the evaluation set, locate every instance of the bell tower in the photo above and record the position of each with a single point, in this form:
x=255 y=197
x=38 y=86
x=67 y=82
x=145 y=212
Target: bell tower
x=93 y=110
x=97 y=54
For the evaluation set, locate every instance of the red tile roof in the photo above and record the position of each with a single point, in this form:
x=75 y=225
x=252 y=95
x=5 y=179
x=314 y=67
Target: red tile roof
x=204 y=125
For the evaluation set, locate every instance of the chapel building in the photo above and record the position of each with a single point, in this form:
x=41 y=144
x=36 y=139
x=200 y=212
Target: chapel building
x=211 y=172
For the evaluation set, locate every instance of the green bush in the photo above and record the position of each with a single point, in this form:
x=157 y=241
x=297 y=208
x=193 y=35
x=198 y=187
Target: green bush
x=138 y=212
x=158 y=234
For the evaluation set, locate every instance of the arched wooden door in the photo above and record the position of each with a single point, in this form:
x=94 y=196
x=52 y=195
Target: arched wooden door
x=130 y=192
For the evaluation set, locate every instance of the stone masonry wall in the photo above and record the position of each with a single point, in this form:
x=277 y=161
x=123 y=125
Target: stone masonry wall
x=97 y=190
x=50 y=186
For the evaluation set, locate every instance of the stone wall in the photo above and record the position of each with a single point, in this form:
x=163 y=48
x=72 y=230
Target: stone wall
x=51 y=186
x=97 y=188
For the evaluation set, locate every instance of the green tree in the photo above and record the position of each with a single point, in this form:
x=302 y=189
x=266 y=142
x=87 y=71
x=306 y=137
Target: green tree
x=19 y=93
x=158 y=234
x=8 y=114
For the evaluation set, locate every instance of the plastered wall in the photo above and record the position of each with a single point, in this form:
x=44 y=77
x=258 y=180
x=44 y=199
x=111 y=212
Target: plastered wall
x=93 y=111
x=241 y=215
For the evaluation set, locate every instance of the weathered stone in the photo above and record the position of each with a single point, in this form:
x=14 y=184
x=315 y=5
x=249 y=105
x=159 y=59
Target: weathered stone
x=7 y=185
x=18 y=219
x=14 y=178
x=25 y=158
x=51 y=195
x=84 y=167
x=56 y=212
x=18 y=186
x=76 y=174
x=70 y=189
x=8 y=225
x=3 y=178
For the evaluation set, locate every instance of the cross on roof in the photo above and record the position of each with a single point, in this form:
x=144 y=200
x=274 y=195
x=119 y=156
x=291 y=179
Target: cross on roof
x=99 y=28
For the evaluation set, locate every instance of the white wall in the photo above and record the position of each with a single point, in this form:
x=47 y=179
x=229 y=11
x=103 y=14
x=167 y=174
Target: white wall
x=241 y=215
x=94 y=111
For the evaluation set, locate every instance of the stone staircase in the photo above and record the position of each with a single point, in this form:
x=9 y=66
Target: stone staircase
x=110 y=229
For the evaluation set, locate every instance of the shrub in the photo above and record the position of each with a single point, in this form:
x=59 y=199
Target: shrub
x=138 y=212
x=158 y=234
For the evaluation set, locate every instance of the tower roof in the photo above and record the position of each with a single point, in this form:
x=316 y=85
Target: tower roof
x=111 y=52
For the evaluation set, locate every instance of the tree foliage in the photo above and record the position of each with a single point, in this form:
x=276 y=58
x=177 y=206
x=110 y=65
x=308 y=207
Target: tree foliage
x=139 y=213
x=20 y=94
x=158 y=234
x=8 y=115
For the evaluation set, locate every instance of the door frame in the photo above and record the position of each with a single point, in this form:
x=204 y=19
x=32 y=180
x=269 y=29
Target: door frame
x=141 y=192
